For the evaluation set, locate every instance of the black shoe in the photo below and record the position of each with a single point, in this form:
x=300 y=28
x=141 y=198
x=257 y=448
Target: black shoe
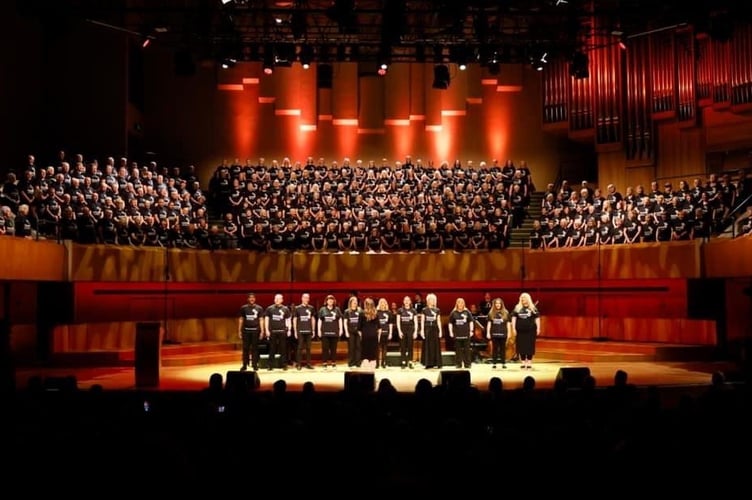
x=244 y=368
x=504 y=367
x=493 y=366
x=309 y=367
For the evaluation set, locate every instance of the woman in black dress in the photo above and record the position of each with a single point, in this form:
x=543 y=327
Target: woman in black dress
x=431 y=333
x=369 y=330
x=526 y=325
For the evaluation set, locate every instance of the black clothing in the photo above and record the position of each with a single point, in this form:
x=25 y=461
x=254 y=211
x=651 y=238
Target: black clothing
x=462 y=323
x=278 y=318
x=330 y=328
x=370 y=337
x=251 y=331
x=431 y=356
x=353 y=320
x=406 y=318
x=499 y=326
x=305 y=327
x=527 y=331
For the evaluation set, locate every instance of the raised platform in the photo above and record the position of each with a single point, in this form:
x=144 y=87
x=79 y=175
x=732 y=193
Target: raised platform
x=548 y=349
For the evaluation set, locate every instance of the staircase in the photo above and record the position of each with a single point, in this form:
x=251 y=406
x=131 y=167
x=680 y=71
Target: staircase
x=518 y=237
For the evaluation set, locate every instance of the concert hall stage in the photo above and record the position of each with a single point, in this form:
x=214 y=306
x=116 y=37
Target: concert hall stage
x=189 y=366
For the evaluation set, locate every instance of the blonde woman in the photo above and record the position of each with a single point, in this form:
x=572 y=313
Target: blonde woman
x=526 y=325
x=386 y=324
x=461 y=325
x=431 y=332
x=497 y=331
x=406 y=320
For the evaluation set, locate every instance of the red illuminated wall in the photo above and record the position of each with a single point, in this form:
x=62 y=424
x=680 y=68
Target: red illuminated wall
x=242 y=113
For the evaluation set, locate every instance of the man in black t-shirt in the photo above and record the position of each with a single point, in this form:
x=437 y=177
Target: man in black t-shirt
x=278 y=328
x=250 y=330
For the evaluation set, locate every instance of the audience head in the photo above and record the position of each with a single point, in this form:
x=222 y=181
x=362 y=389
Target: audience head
x=495 y=385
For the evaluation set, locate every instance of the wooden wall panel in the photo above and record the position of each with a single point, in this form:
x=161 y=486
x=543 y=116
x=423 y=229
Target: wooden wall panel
x=102 y=301
x=725 y=258
x=405 y=267
x=120 y=336
x=667 y=260
x=25 y=259
x=647 y=329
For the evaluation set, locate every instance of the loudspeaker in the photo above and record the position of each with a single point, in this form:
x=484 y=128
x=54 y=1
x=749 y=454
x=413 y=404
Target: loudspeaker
x=360 y=382
x=448 y=358
x=61 y=384
x=324 y=75
x=454 y=379
x=148 y=354
x=237 y=382
x=572 y=377
x=264 y=361
x=393 y=359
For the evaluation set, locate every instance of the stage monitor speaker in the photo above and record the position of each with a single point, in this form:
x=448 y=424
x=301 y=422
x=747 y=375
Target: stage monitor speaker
x=572 y=377
x=454 y=379
x=360 y=382
x=61 y=384
x=148 y=354
x=237 y=382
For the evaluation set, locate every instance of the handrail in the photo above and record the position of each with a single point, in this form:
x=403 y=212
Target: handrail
x=731 y=220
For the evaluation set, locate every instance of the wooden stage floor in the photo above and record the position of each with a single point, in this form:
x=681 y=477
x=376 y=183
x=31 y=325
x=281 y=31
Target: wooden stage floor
x=189 y=366
x=189 y=378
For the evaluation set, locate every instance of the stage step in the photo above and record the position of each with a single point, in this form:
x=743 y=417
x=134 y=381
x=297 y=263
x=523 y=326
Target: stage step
x=607 y=350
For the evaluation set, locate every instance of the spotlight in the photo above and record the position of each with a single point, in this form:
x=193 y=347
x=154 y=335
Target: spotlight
x=461 y=56
x=441 y=77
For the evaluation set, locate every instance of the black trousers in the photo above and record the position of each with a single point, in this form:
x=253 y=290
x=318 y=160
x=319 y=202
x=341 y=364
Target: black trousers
x=383 y=348
x=406 y=349
x=463 y=352
x=304 y=348
x=329 y=348
x=354 y=349
x=499 y=349
x=250 y=348
x=277 y=345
